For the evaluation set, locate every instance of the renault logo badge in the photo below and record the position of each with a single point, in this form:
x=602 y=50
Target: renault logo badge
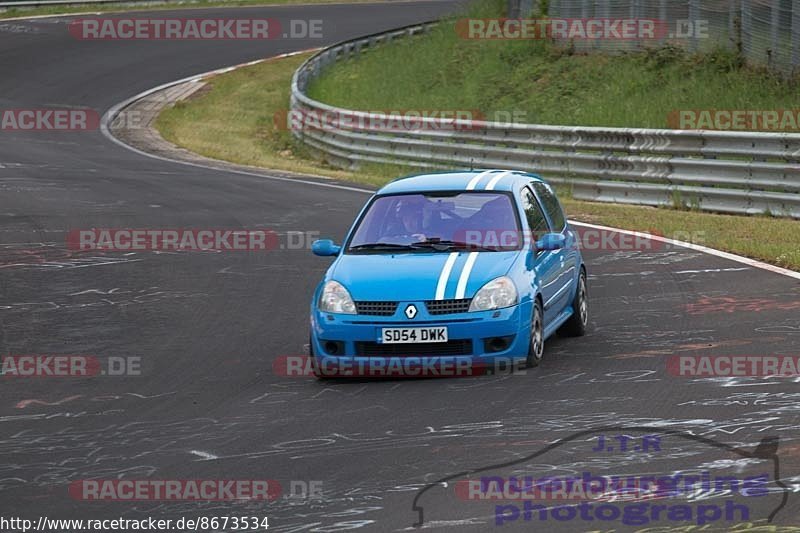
x=411 y=311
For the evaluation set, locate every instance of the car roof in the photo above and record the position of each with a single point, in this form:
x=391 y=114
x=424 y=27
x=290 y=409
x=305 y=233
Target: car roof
x=460 y=180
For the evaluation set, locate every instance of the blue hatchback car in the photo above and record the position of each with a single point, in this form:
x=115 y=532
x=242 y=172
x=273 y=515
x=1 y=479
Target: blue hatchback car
x=467 y=266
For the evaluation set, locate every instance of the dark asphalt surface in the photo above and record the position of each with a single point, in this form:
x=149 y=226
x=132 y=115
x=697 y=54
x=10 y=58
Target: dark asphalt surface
x=208 y=326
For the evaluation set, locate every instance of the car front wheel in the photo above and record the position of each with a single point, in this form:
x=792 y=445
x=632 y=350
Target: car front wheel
x=536 y=345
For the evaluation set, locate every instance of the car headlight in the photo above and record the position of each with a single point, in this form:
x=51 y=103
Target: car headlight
x=336 y=299
x=498 y=293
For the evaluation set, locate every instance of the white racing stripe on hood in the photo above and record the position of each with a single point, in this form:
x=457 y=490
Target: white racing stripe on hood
x=461 y=289
x=445 y=275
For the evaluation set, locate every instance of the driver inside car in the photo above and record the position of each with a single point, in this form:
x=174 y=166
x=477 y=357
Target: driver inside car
x=408 y=226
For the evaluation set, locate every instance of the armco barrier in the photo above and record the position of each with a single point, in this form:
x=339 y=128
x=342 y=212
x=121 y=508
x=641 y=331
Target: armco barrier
x=44 y=3
x=732 y=172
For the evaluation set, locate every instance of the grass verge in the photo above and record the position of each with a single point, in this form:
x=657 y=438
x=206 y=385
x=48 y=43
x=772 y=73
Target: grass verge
x=236 y=118
x=12 y=12
x=544 y=84
x=233 y=120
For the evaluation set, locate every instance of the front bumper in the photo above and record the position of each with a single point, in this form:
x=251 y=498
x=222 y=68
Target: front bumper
x=359 y=352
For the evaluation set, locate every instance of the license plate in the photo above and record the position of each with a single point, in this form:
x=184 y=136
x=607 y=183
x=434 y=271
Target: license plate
x=412 y=335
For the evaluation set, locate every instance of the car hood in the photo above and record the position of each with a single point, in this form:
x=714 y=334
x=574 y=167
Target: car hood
x=415 y=276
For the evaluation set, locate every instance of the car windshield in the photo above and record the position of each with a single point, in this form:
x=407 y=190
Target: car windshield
x=477 y=221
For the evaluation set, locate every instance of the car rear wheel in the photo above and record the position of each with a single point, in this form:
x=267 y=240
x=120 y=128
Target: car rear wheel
x=577 y=323
x=536 y=344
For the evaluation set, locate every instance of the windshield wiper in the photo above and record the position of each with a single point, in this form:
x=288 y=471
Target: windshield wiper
x=381 y=246
x=449 y=245
x=437 y=245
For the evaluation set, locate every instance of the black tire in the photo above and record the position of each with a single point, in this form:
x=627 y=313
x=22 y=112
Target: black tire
x=578 y=322
x=536 y=343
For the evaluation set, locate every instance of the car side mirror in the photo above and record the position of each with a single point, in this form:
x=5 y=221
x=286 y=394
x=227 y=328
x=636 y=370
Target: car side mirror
x=325 y=248
x=551 y=241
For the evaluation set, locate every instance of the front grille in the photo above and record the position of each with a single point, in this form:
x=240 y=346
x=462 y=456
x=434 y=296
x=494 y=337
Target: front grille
x=447 y=307
x=452 y=347
x=376 y=308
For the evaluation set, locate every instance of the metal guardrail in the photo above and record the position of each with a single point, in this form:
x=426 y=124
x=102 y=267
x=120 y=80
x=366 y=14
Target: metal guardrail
x=44 y=3
x=731 y=172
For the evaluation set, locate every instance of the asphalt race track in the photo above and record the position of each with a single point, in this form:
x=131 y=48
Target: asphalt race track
x=208 y=327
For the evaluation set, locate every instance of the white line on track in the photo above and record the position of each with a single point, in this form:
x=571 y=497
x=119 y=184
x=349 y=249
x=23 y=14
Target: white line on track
x=109 y=116
x=704 y=249
x=712 y=270
x=204 y=455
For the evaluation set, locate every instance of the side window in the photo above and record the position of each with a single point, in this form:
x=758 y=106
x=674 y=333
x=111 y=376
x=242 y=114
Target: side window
x=536 y=220
x=551 y=205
